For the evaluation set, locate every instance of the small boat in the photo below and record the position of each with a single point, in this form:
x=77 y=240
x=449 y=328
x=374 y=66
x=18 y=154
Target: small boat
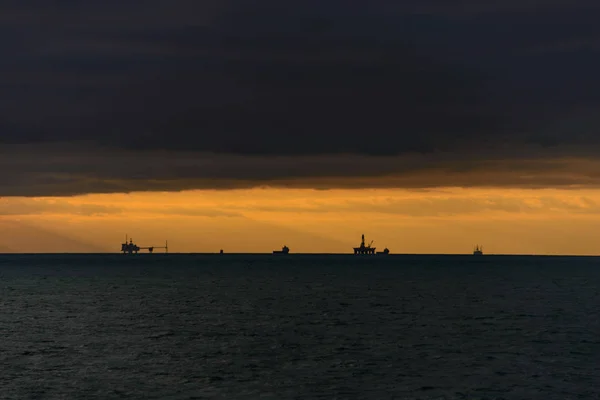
x=284 y=250
x=478 y=251
x=385 y=251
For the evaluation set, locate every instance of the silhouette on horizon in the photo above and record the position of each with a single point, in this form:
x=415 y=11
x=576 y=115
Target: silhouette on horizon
x=132 y=248
x=284 y=250
x=362 y=249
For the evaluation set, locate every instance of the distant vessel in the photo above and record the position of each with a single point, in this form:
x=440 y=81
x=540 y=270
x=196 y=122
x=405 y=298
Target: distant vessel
x=130 y=248
x=478 y=250
x=362 y=249
x=385 y=251
x=284 y=250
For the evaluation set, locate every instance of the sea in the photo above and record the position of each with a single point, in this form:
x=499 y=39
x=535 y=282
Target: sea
x=186 y=326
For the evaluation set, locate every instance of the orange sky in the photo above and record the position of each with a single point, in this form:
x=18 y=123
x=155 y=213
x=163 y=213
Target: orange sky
x=259 y=220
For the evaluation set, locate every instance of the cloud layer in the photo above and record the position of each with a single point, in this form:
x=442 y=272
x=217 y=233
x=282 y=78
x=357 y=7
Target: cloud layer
x=233 y=93
x=63 y=170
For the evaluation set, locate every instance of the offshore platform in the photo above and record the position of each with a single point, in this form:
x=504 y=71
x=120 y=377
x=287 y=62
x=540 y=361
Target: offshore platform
x=367 y=249
x=130 y=248
x=362 y=249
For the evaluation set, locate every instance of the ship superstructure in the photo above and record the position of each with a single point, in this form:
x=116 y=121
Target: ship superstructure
x=364 y=249
x=284 y=250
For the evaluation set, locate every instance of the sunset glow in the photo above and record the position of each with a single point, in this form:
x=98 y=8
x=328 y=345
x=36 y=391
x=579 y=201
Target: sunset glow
x=427 y=126
x=446 y=220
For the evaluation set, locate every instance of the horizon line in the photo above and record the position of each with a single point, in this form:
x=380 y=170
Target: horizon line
x=378 y=256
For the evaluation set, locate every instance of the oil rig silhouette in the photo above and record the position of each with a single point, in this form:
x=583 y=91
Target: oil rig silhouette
x=362 y=249
x=130 y=248
x=367 y=249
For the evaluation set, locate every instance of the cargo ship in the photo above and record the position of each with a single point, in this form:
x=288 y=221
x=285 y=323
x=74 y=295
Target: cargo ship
x=284 y=250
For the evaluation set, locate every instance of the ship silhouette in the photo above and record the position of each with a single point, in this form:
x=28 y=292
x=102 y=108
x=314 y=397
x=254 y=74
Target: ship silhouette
x=284 y=250
x=478 y=251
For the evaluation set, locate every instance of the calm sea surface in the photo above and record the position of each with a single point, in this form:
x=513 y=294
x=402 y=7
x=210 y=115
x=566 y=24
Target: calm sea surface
x=299 y=327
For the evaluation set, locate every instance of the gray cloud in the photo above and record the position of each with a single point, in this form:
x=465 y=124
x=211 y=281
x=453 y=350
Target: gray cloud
x=315 y=88
x=70 y=170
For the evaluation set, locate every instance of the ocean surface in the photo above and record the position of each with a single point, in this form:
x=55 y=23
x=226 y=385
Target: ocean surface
x=299 y=327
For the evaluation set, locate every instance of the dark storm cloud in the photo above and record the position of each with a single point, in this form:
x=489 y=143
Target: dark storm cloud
x=45 y=170
x=278 y=79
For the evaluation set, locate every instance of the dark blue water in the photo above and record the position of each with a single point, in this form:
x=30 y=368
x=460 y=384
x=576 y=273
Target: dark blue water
x=299 y=327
